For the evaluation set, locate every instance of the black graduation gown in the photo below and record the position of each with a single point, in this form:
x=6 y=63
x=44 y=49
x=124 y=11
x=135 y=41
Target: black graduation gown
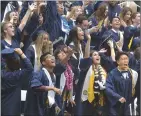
x=117 y=87
x=11 y=89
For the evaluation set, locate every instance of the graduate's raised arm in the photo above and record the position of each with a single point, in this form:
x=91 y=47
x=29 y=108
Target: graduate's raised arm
x=87 y=48
x=31 y=8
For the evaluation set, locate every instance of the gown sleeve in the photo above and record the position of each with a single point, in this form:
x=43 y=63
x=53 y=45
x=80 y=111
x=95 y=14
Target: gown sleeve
x=36 y=80
x=85 y=63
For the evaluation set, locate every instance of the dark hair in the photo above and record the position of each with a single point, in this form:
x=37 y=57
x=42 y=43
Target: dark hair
x=92 y=51
x=80 y=19
x=137 y=53
x=73 y=37
x=42 y=58
x=13 y=64
x=100 y=12
x=111 y=20
x=58 y=49
x=119 y=54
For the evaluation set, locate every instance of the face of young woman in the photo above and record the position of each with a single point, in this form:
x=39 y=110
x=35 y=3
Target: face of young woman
x=80 y=33
x=127 y=16
x=15 y=17
x=78 y=11
x=96 y=58
x=45 y=39
x=9 y=30
x=60 y=8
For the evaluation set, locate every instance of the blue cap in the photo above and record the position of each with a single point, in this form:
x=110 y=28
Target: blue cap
x=9 y=53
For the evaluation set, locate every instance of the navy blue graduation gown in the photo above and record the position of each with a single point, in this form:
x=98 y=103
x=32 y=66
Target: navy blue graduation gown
x=30 y=53
x=84 y=66
x=36 y=100
x=107 y=62
x=117 y=87
x=96 y=36
x=130 y=32
x=112 y=11
x=11 y=89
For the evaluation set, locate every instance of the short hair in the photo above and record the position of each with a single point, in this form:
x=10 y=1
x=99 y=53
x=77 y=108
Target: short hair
x=134 y=15
x=58 y=49
x=111 y=20
x=119 y=54
x=42 y=58
x=80 y=19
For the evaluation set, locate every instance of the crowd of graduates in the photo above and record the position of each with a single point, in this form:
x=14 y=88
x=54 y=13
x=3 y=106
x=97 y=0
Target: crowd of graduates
x=73 y=58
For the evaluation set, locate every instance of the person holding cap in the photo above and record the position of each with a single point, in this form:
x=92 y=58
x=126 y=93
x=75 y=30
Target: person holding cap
x=11 y=77
x=120 y=87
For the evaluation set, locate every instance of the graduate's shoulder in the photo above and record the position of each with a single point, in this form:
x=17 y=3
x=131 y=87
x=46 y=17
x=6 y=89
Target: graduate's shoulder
x=113 y=72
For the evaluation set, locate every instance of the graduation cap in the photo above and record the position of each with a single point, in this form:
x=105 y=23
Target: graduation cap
x=9 y=53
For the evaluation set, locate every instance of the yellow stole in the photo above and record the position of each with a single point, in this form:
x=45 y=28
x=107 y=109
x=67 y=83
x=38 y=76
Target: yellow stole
x=100 y=24
x=130 y=43
x=91 y=96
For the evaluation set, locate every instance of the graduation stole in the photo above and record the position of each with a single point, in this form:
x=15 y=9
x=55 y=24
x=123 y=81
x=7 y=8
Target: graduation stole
x=100 y=24
x=88 y=87
x=130 y=43
x=120 y=43
x=51 y=93
x=134 y=76
x=133 y=83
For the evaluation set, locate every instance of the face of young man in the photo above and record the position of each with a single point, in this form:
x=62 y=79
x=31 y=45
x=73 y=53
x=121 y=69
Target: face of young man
x=137 y=19
x=123 y=62
x=115 y=23
x=49 y=61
